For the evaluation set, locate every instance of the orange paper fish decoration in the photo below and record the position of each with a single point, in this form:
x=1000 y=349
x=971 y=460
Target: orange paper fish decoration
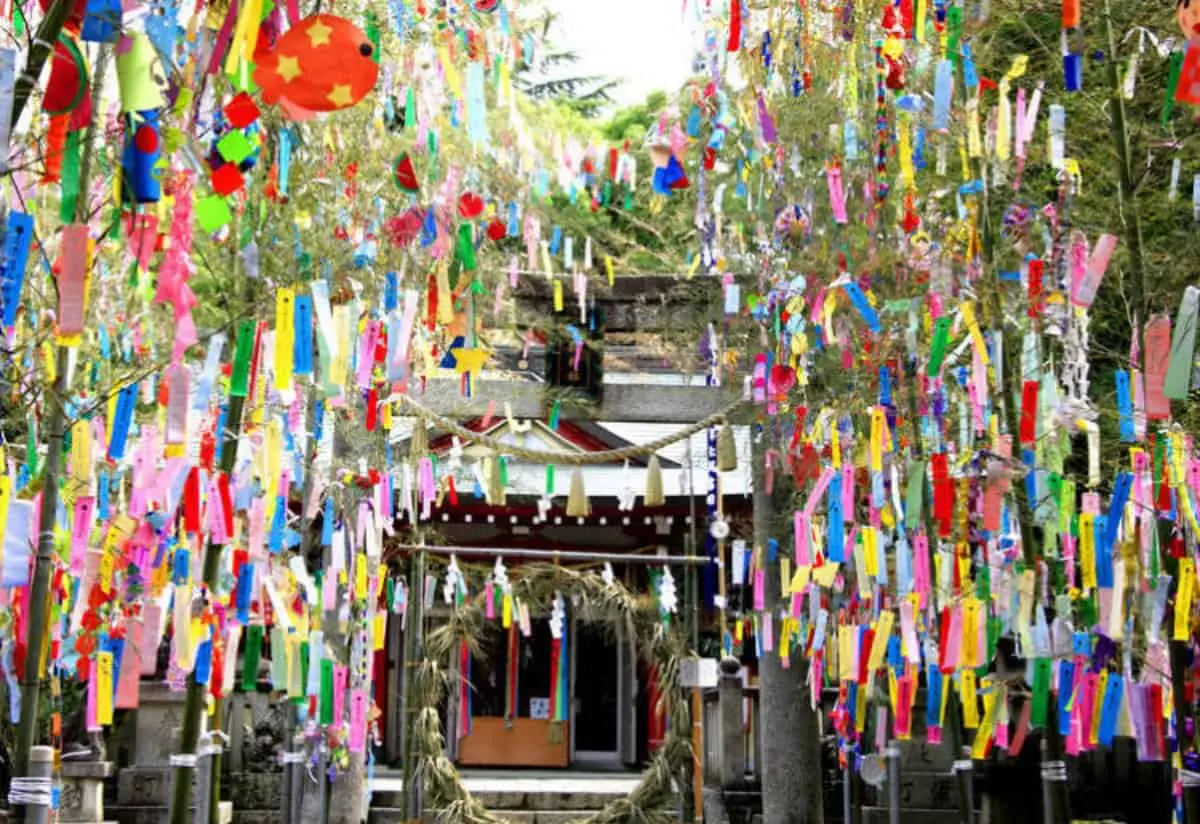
x=322 y=64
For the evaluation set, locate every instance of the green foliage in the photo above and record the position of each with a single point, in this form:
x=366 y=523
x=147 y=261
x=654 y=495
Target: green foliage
x=632 y=122
x=1170 y=241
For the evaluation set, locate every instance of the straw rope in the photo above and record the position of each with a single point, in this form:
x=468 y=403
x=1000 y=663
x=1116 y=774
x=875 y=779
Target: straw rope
x=426 y=414
x=609 y=603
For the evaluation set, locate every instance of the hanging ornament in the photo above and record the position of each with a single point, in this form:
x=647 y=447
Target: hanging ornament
x=606 y=574
x=667 y=599
x=628 y=497
x=454 y=583
x=323 y=64
x=558 y=617
x=500 y=576
x=1187 y=13
x=406 y=175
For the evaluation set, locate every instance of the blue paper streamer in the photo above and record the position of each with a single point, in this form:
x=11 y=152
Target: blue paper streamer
x=17 y=239
x=943 y=90
x=121 y=422
x=1125 y=407
x=302 y=338
x=1066 y=677
x=837 y=527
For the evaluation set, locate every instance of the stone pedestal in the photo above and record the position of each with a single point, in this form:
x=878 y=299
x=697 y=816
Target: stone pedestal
x=83 y=791
x=144 y=787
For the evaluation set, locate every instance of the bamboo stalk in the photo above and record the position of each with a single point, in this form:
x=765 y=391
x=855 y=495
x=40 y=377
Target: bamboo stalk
x=194 y=706
x=44 y=42
x=36 y=629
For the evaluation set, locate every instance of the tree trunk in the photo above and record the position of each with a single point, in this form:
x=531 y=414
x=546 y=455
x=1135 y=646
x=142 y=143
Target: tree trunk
x=346 y=800
x=791 y=729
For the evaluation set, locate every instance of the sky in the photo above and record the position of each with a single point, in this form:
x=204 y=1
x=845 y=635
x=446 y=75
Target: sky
x=645 y=42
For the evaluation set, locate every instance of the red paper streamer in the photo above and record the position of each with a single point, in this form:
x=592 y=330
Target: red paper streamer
x=735 y=25
x=191 y=502
x=56 y=147
x=1029 y=406
x=555 y=645
x=1036 y=268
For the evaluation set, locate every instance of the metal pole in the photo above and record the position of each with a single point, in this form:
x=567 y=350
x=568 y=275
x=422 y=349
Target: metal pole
x=557 y=555
x=323 y=781
x=415 y=629
x=691 y=591
x=415 y=592
x=204 y=766
x=296 y=770
x=965 y=768
x=893 y=773
x=1047 y=789
x=848 y=789
x=287 y=787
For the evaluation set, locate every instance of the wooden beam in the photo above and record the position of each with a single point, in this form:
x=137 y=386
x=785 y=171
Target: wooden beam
x=634 y=303
x=642 y=403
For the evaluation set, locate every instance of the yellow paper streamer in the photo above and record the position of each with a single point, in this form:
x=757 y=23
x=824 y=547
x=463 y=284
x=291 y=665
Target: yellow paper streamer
x=284 y=338
x=883 y=633
x=1087 y=550
x=1183 y=598
x=970 y=699
x=104 y=688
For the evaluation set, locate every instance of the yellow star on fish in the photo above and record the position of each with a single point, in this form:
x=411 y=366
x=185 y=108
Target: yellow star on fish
x=318 y=33
x=469 y=360
x=341 y=96
x=287 y=67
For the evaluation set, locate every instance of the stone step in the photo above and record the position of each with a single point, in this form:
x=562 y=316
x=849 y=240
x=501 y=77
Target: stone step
x=257 y=817
x=392 y=815
x=154 y=814
x=530 y=794
x=879 y=815
x=920 y=791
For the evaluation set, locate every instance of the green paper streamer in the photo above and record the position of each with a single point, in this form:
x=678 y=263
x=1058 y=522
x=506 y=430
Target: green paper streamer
x=70 y=178
x=503 y=471
x=954 y=34
x=466 y=247
x=250 y=659
x=373 y=35
x=296 y=688
x=31 y=445
x=550 y=480
x=554 y=415
x=410 y=108
x=326 y=692
x=1183 y=346
x=914 y=496
x=1041 y=692
x=1174 y=72
x=279 y=668
x=937 y=352
x=239 y=385
x=1087 y=610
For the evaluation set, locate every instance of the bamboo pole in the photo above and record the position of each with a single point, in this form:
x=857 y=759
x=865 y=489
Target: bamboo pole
x=36 y=628
x=1131 y=221
x=194 y=706
x=45 y=39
